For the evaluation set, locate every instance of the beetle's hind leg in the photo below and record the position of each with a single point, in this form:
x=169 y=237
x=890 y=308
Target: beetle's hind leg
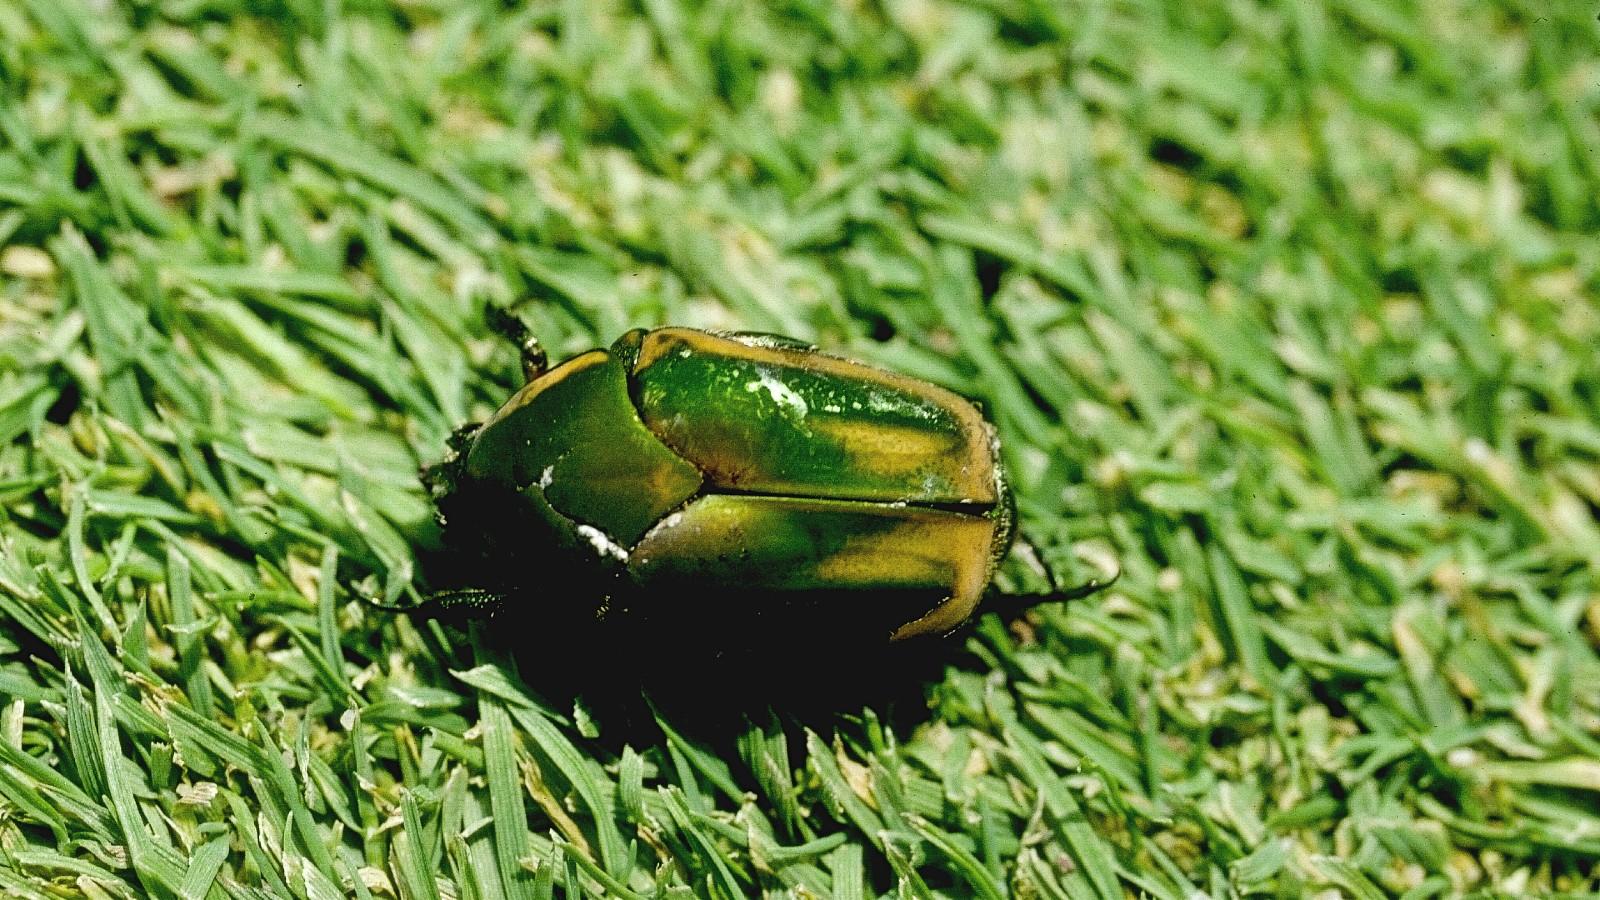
x=513 y=329
x=1016 y=603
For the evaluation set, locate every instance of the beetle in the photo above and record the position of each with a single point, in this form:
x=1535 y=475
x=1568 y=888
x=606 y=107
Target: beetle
x=685 y=475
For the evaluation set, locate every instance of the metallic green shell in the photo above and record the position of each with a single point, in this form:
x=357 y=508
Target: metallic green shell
x=796 y=544
x=777 y=420
x=753 y=463
x=779 y=544
x=574 y=435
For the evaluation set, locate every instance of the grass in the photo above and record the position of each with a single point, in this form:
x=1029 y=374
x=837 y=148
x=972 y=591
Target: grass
x=1287 y=306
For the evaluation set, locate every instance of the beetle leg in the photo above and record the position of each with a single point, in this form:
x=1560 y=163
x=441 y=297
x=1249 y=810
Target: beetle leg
x=513 y=329
x=534 y=361
x=474 y=602
x=1056 y=592
x=1009 y=605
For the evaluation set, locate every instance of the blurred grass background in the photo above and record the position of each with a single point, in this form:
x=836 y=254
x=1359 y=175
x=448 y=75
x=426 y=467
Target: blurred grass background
x=1288 y=306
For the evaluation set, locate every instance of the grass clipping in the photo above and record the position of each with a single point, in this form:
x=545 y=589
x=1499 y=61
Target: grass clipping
x=1290 y=305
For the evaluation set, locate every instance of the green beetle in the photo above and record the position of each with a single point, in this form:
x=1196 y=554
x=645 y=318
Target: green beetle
x=683 y=473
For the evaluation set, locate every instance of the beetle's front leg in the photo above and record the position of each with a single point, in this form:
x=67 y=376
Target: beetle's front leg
x=465 y=602
x=513 y=329
x=468 y=602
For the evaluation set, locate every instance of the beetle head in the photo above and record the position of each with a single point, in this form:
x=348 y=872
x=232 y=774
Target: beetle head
x=444 y=477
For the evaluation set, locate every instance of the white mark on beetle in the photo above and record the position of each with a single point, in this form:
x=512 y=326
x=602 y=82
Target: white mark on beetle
x=884 y=403
x=603 y=543
x=792 y=404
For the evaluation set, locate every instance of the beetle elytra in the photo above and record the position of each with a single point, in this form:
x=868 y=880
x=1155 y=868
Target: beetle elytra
x=682 y=473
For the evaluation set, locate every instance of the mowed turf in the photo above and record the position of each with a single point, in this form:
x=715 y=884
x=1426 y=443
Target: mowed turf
x=1289 y=308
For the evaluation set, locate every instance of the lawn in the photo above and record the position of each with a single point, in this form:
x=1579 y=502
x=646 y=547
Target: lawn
x=1287 y=308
